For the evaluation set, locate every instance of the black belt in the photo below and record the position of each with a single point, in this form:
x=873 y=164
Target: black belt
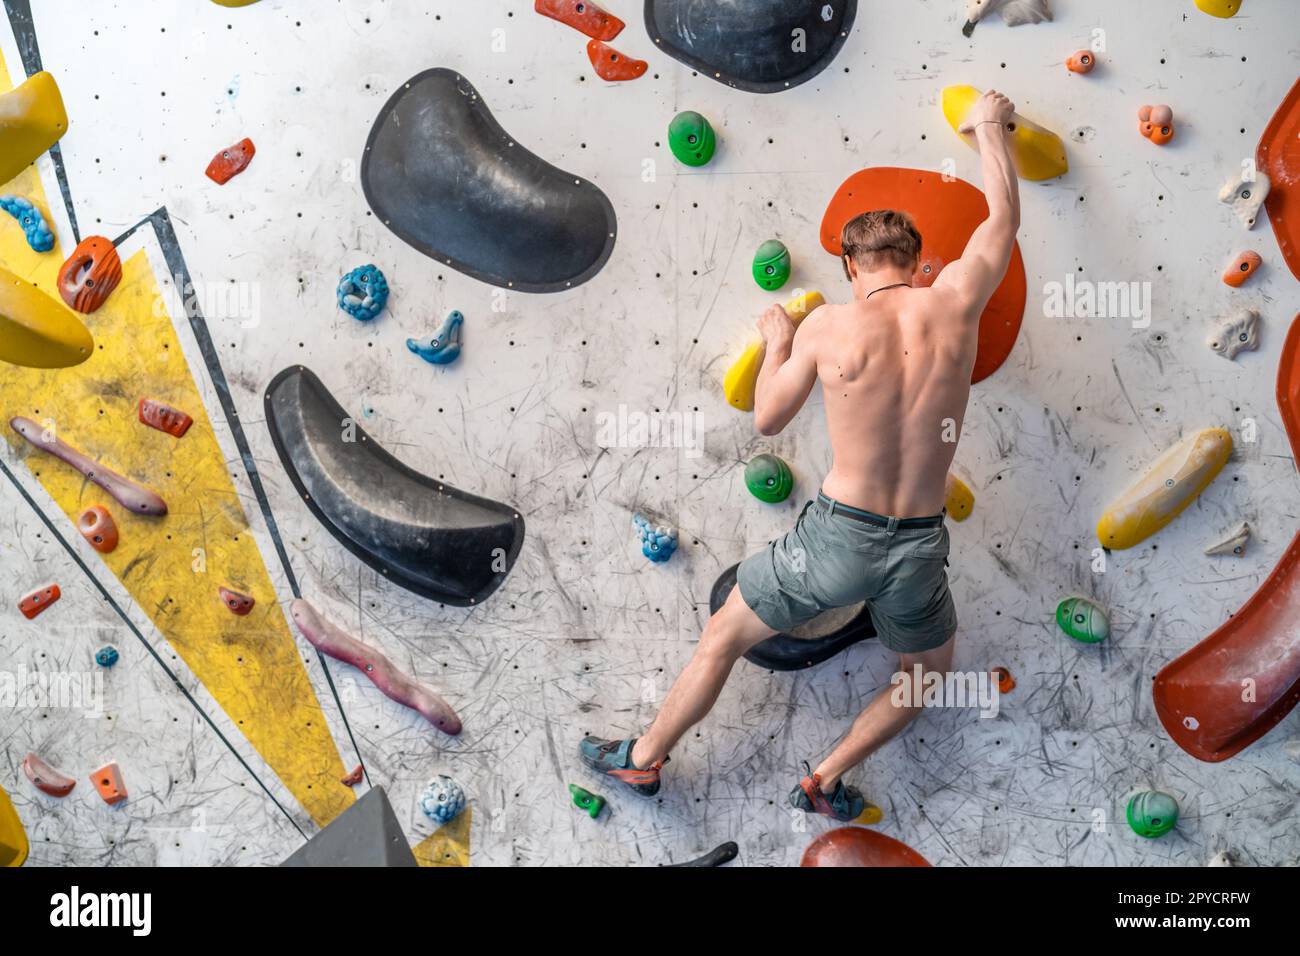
x=880 y=521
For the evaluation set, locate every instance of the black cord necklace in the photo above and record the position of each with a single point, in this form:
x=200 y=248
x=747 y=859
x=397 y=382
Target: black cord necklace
x=883 y=288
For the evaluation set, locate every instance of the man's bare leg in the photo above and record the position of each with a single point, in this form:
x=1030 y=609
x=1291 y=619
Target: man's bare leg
x=882 y=719
x=727 y=636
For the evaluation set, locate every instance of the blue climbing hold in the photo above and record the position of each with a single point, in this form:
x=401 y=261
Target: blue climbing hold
x=444 y=347
x=39 y=235
x=657 y=542
x=443 y=799
x=363 y=293
x=106 y=656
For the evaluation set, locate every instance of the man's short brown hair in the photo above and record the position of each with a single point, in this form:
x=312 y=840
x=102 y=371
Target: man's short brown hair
x=881 y=237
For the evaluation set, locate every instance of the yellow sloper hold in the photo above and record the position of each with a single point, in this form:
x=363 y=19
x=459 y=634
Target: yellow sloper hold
x=13 y=838
x=1038 y=153
x=740 y=380
x=36 y=331
x=958 y=499
x=449 y=846
x=1171 y=484
x=32 y=119
x=1219 y=8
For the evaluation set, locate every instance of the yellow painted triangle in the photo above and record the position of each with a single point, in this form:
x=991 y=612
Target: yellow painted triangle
x=172 y=566
x=448 y=846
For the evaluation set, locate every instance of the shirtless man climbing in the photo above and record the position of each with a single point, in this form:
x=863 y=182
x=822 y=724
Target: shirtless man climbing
x=895 y=366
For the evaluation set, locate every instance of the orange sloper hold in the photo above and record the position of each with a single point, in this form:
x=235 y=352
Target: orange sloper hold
x=611 y=65
x=108 y=783
x=1156 y=123
x=1081 y=62
x=1242 y=268
x=99 y=529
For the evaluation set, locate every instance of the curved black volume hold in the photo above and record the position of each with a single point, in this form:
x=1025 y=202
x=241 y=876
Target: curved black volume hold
x=760 y=46
x=723 y=853
x=785 y=652
x=430 y=538
x=441 y=173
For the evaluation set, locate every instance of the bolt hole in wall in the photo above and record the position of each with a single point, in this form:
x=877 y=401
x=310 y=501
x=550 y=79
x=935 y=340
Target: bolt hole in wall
x=585 y=630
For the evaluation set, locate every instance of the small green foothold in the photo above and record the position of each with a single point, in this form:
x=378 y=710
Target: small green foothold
x=772 y=265
x=1152 y=813
x=1083 y=620
x=593 y=803
x=691 y=138
x=769 y=479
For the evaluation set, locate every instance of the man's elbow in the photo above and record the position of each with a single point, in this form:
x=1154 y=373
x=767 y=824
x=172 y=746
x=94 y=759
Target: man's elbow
x=766 y=425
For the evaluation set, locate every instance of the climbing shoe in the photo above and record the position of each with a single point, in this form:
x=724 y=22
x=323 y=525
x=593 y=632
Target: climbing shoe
x=613 y=758
x=845 y=804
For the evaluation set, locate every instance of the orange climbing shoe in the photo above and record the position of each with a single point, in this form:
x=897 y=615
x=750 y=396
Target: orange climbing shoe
x=845 y=804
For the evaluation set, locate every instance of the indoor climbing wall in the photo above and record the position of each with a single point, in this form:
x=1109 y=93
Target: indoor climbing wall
x=473 y=155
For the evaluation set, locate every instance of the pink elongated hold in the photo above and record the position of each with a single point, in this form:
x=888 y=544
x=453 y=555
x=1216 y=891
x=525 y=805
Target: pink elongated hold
x=130 y=495
x=46 y=778
x=341 y=646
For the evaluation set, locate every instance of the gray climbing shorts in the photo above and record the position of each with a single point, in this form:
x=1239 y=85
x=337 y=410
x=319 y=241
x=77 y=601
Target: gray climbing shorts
x=837 y=556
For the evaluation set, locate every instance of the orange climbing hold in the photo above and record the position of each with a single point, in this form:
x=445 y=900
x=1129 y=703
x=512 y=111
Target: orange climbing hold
x=230 y=162
x=45 y=778
x=238 y=603
x=36 y=602
x=1005 y=681
x=354 y=778
x=90 y=274
x=1156 y=123
x=108 y=783
x=583 y=16
x=164 y=418
x=1242 y=268
x=613 y=66
x=1082 y=62
x=98 y=528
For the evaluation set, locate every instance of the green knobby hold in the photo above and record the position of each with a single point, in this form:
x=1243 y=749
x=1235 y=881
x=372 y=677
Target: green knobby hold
x=691 y=138
x=768 y=478
x=1152 y=813
x=1082 y=620
x=772 y=265
x=593 y=803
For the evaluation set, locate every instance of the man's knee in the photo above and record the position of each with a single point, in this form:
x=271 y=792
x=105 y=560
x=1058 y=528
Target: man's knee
x=733 y=630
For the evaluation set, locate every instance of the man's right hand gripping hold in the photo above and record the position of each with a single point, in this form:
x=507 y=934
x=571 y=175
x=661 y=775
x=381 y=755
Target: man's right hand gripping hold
x=895 y=367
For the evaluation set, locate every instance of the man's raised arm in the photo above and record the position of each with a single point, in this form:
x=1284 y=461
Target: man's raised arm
x=979 y=271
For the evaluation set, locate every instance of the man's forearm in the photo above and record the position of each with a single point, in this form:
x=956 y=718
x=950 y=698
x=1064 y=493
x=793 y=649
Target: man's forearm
x=776 y=353
x=1001 y=185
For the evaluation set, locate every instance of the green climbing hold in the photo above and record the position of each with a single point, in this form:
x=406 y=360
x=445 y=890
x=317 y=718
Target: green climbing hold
x=593 y=803
x=772 y=265
x=768 y=478
x=691 y=138
x=1152 y=813
x=1083 y=620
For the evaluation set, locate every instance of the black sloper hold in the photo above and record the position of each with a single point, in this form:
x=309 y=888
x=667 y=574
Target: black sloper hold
x=441 y=173
x=430 y=538
x=752 y=45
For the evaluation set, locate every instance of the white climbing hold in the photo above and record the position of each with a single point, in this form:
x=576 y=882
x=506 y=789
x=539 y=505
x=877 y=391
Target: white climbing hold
x=1234 y=544
x=1014 y=12
x=1246 y=194
x=1222 y=858
x=1237 y=333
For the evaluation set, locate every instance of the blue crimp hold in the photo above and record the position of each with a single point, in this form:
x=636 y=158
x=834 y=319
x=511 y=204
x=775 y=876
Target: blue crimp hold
x=106 y=656
x=363 y=293
x=39 y=235
x=657 y=542
x=444 y=347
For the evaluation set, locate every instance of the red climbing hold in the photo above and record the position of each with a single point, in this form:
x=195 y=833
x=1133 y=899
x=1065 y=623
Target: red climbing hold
x=39 y=600
x=108 y=782
x=45 y=778
x=238 y=603
x=611 y=65
x=90 y=275
x=231 y=162
x=354 y=778
x=583 y=16
x=164 y=418
x=98 y=528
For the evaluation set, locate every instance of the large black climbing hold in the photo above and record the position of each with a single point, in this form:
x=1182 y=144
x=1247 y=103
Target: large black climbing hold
x=426 y=536
x=441 y=173
x=786 y=652
x=760 y=46
x=724 y=853
x=365 y=834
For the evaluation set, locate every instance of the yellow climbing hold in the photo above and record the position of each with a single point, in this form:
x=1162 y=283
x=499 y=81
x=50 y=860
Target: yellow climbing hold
x=1038 y=153
x=13 y=838
x=740 y=380
x=1219 y=8
x=32 y=119
x=35 y=330
x=1171 y=484
x=871 y=814
x=958 y=499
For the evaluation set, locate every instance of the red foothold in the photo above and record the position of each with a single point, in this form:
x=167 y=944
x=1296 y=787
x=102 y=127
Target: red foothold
x=231 y=162
x=45 y=778
x=90 y=274
x=613 y=66
x=98 y=528
x=164 y=418
x=238 y=603
x=108 y=783
x=352 y=779
x=39 y=600
x=583 y=15
x=1081 y=62
x=1242 y=268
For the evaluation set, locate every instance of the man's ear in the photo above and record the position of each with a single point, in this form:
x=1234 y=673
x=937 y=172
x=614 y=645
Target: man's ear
x=850 y=267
